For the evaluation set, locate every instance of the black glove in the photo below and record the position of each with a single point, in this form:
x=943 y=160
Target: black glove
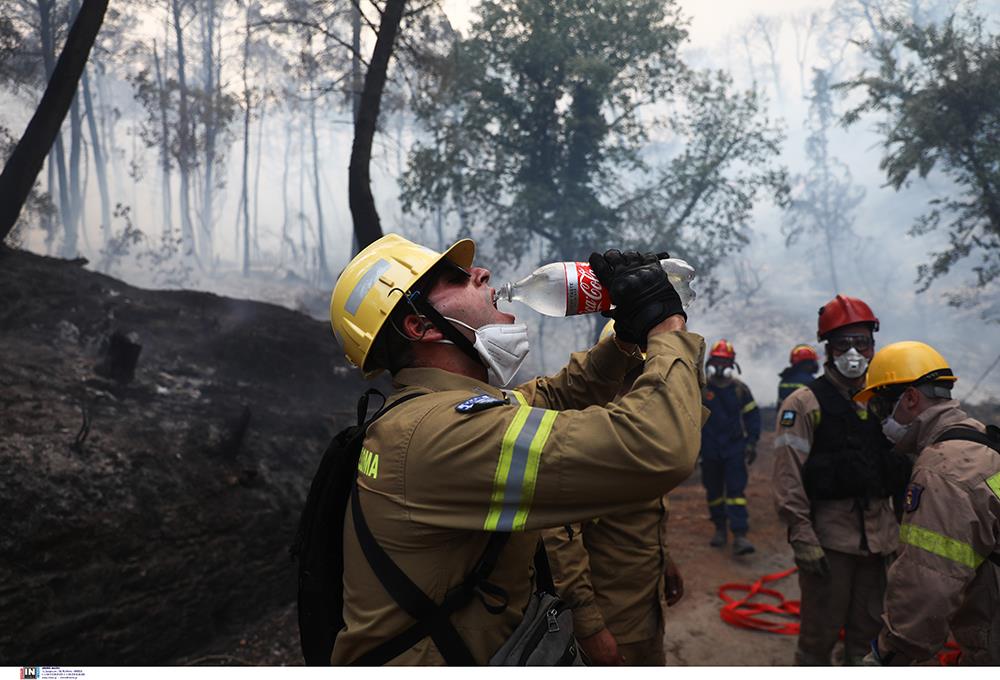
x=811 y=559
x=640 y=291
x=750 y=452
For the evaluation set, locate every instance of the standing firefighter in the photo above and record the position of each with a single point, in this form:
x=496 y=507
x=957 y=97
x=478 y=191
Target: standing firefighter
x=833 y=479
x=947 y=575
x=617 y=575
x=466 y=460
x=802 y=369
x=728 y=446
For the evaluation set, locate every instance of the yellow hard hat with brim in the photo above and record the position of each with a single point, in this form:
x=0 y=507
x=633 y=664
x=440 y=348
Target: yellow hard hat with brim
x=904 y=363
x=374 y=282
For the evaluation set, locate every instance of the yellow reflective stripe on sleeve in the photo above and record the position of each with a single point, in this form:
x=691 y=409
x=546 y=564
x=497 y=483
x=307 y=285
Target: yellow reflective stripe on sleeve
x=718 y=501
x=863 y=415
x=817 y=414
x=531 y=471
x=791 y=386
x=503 y=467
x=736 y=501
x=994 y=483
x=751 y=405
x=940 y=545
x=519 y=397
x=517 y=469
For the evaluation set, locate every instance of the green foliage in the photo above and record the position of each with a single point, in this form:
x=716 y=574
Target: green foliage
x=938 y=87
x=538 y=130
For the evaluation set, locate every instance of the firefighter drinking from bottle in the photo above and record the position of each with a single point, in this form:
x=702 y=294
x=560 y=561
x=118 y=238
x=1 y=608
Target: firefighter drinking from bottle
x=469 y=457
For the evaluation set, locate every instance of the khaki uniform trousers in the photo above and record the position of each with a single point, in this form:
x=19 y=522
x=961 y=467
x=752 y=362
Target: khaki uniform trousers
x=850 y=597
x=644 y=653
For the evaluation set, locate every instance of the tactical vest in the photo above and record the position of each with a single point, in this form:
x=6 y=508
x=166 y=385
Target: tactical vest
x=850 y=457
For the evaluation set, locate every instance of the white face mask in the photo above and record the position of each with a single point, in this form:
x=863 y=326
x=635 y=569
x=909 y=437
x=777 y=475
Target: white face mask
x=851 y=364
x=893 y=430
x=502 y=347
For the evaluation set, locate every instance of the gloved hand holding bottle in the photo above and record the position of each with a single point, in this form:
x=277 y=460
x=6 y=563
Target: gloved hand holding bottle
x=640 y=290
x=568 y=288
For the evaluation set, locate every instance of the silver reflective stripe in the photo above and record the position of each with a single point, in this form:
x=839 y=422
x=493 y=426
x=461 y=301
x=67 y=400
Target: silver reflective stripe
x=518 y=464
x=364 y=285
x=798 y=443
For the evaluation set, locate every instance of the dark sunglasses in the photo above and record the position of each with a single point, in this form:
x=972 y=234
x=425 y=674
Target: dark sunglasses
x=843 y=343
x=882 y=403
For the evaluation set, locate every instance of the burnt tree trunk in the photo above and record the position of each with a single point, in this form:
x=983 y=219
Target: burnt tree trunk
x=367 y=227
x=46 y=36
x=24 y=164
x=185 y=141
x=211 y=133
x=167 y=198
x=323 y=271
x=100 y=163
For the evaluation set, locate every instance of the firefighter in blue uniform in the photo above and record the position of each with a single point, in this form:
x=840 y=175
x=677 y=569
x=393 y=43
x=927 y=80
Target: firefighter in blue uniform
x=804 y=365
x=728 y=446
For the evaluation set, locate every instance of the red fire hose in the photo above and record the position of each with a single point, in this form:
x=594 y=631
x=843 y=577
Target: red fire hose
x=743 y=613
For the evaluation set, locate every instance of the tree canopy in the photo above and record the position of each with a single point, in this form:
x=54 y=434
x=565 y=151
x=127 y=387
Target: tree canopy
x=938 y=90
x=576 y=124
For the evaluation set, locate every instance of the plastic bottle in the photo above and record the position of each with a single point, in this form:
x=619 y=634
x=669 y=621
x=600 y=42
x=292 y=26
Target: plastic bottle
x=568 y=288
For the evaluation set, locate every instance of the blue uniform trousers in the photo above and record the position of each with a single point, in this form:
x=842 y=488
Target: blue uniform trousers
x=725 y=480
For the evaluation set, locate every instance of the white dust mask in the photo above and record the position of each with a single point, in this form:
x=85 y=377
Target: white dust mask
x=502 y=347
x=851 y=364
x=894 y=430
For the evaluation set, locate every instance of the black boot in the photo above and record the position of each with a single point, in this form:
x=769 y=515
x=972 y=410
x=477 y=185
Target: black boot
x=719 y=537
x=741 y=546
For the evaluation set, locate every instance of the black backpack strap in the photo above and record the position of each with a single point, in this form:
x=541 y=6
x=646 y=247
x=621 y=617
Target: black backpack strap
x=990 y=438
x=543 y=572
x=431 y=619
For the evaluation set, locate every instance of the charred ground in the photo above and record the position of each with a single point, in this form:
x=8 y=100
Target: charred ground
x=168 y=525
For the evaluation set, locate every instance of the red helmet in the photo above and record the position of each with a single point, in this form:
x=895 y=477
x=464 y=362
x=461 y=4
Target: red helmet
x=723 y=349
x=802 y=353
x=843 y=311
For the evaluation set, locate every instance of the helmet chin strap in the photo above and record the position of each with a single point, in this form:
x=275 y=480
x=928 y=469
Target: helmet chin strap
x=446 y=327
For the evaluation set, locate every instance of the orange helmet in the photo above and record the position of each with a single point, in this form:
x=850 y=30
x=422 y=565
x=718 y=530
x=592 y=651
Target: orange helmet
x=843 y=311
x=802 y=353
x=723 y=349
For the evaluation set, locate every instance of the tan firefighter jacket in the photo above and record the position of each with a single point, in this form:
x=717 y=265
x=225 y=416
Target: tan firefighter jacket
x=440 y=471
x=943 y=577
x=833 y=524
x=611 y=571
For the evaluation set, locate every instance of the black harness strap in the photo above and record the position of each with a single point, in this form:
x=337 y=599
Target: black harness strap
x=543 y=572
x=422 y=305
x=431 y=619
x=990 y=438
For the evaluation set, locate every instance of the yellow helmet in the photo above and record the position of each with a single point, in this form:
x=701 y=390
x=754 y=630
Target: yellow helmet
x=373 y=283
x=904 y=363
x=608 y=330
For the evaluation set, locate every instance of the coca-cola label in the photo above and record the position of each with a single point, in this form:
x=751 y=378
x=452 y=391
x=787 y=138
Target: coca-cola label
x=584 y=293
